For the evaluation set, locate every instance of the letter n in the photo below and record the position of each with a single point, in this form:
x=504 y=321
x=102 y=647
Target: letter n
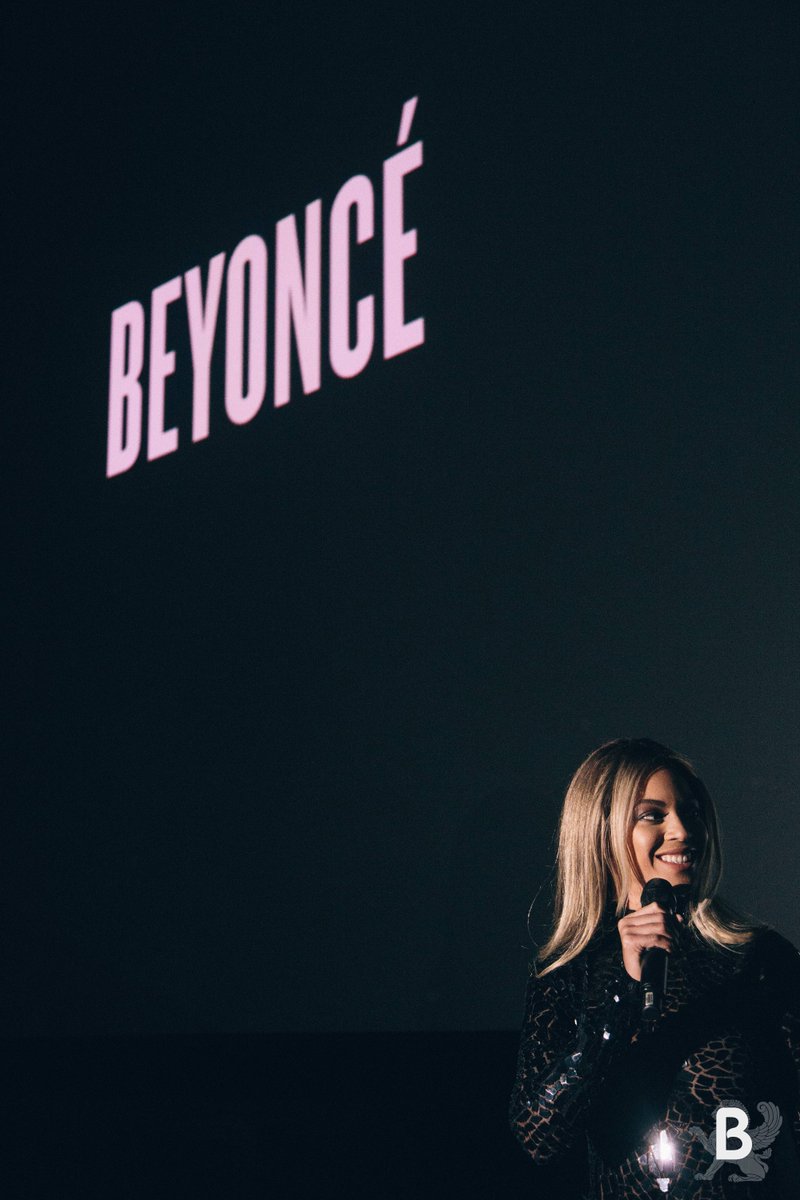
x=297 y=302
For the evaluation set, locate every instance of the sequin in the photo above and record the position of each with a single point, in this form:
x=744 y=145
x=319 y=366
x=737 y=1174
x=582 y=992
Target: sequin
x=730 y=1026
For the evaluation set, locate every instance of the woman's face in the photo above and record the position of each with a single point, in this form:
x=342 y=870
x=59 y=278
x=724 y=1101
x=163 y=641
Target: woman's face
x=668 y=836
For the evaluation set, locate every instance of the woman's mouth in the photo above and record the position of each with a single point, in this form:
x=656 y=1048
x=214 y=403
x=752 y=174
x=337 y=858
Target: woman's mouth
x=677 y=860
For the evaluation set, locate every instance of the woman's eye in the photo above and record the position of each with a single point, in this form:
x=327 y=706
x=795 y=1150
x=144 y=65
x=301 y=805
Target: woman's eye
x=651 y=815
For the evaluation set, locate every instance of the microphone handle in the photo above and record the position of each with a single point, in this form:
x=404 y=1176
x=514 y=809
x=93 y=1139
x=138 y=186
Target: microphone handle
x=653 y=982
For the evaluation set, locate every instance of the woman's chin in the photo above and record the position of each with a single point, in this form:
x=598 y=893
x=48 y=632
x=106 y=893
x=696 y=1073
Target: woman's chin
x=677 y=874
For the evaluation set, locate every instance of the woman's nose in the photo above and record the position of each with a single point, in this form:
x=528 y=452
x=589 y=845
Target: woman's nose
x=677 y=829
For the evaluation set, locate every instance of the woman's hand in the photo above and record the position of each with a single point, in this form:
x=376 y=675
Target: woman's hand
x=646 y=927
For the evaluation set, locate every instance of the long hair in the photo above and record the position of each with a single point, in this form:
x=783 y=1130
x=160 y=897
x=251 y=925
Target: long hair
x=596 y=867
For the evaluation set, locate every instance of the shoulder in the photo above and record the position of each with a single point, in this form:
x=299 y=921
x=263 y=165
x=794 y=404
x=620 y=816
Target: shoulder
x=556 y=988
x=557 y=979
x=595 y=971
x=774 y=956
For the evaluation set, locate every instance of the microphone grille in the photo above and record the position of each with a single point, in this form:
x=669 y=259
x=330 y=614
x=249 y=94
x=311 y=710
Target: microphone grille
x=660 y=890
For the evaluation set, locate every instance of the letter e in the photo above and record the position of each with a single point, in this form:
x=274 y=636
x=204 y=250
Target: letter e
x=399 y=244
x=160 y=441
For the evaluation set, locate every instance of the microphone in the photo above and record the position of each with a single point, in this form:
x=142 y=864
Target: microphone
x=654 y=959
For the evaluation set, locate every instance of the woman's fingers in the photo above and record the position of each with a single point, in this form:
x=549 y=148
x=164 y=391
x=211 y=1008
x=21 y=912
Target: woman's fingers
x=653 y=926
x=662 y=940
x=649 y=918
x=645 y=929
x=650 y=910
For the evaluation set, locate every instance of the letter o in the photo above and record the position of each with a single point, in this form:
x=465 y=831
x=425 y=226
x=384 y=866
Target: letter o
x=247 y=267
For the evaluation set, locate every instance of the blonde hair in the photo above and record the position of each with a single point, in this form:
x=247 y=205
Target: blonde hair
x=595 y=863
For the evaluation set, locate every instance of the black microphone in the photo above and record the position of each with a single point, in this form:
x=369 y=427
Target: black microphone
x=654 y=959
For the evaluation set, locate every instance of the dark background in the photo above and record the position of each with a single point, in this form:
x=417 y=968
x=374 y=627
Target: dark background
x=293 y=709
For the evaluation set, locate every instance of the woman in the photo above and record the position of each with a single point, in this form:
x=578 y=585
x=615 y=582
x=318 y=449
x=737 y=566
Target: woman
x=643 y=1093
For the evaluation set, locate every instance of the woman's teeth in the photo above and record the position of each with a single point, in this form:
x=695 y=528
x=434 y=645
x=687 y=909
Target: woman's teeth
x=679 y=859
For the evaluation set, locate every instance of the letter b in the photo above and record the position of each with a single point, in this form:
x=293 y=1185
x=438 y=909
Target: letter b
x=124 y=388
x=738 y=1131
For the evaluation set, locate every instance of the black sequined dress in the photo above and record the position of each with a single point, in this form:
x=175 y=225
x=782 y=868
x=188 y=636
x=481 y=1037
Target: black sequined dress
x=592 y=1076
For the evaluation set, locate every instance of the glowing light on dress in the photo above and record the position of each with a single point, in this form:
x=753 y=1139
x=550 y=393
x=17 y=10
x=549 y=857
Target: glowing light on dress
x=662 y=1160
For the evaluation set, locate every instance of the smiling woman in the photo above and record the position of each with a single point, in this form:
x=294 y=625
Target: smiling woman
x=669 y=835
x=643 y=1096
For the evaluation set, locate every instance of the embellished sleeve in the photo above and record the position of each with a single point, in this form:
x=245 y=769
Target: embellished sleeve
x=565 y=1049
x=781 y=970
